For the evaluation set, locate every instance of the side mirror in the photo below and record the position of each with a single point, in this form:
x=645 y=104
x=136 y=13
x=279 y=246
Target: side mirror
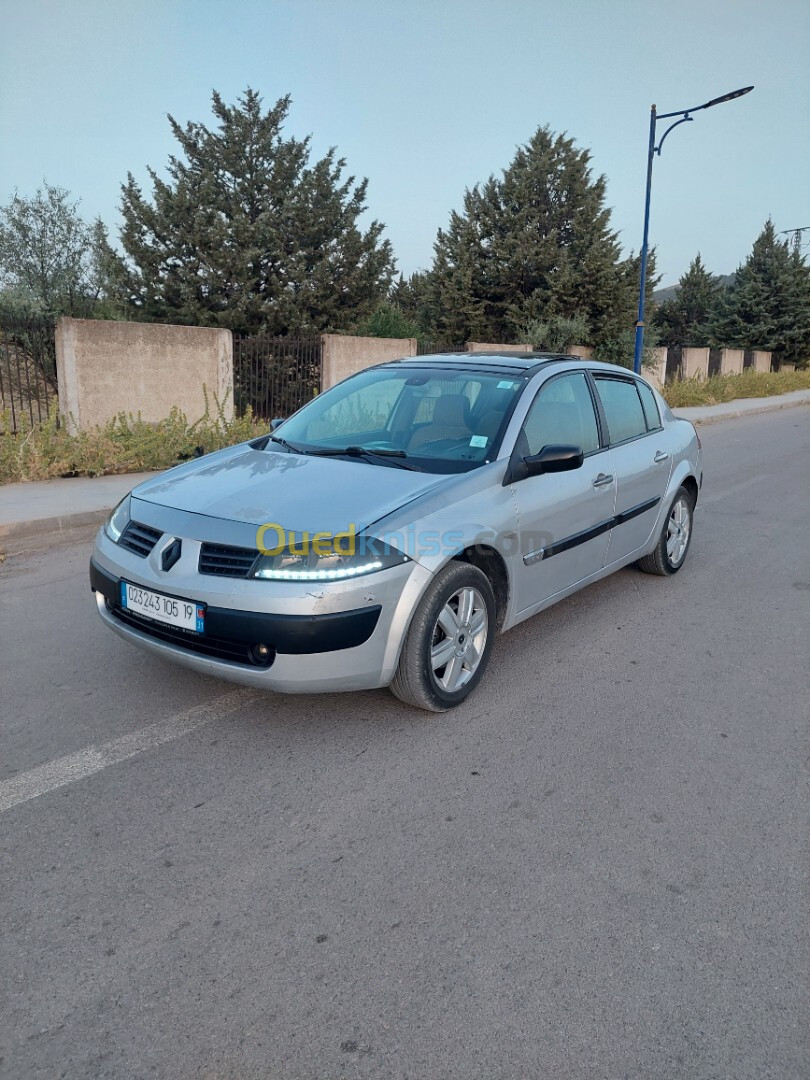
x=554 y=459
x=551 y=459
x=276 y=422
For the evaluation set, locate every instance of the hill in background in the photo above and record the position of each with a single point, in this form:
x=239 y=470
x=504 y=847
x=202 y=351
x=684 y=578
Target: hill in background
x=660 y=295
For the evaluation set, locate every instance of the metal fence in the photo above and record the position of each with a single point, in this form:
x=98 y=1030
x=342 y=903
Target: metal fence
x=428 y=348
x=27 y=372
x=274 y=376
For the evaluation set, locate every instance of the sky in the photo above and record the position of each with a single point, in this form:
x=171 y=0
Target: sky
x=429 y=97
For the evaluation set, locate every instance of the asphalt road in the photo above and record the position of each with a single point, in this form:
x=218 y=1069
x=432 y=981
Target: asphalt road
x=597 y=867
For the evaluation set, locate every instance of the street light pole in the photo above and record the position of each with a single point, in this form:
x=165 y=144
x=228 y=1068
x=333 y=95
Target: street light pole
x=685 y=117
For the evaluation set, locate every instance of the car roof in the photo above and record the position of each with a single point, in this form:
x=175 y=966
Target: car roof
x=502 y=361
x=523 y=363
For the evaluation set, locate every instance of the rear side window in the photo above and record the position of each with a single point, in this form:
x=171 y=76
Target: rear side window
x=623 y=411
x=650 y=407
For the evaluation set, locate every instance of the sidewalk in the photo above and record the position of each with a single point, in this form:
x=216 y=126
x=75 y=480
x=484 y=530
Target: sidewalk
x=32 y=513
x=49 y=507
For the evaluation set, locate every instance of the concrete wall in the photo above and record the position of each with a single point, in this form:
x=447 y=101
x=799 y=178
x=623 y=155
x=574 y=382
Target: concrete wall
x=105 y=368
x=343 y=355
x=731 y=361
x=585 y=351
x=695 y=363
x=762 y=360
x=657 y=371
x=485 y=346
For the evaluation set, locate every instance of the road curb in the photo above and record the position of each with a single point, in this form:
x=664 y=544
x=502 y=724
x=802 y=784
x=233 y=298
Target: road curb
x=43 y=528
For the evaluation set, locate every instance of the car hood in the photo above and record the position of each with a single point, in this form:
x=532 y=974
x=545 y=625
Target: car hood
x=300 y=493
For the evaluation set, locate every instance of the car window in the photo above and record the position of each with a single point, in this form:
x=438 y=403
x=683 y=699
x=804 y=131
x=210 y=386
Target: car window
x=650 y=407
x=623 y=411
x=562 y=414
x=445 y=419
x=365 y=409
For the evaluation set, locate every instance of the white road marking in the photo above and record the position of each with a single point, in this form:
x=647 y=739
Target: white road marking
x=73 y=767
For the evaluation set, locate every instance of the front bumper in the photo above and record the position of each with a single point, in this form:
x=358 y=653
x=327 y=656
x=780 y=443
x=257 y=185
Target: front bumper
x=320 y=637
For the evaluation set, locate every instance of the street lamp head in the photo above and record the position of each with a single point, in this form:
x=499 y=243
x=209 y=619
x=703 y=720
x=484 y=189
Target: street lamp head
x=727 y=97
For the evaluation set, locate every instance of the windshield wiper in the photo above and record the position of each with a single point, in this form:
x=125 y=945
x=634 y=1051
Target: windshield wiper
x=289 y=446
x=366 y=452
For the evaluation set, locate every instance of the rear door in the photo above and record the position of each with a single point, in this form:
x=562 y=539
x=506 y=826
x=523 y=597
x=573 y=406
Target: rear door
x=639 y=460
x=564 y=518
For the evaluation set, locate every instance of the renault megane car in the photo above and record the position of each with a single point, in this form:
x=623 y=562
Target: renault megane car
x=390 y=530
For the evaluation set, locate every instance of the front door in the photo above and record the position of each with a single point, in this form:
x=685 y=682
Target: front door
x=564 y=518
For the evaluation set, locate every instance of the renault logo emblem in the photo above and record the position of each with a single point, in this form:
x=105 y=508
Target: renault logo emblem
x=171 y=554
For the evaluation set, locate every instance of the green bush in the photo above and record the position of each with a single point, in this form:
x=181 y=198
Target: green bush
x=387 y=321
x=555 y=334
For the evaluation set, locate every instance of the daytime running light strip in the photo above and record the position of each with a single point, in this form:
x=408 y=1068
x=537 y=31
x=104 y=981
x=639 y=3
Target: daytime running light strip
x=318 y=575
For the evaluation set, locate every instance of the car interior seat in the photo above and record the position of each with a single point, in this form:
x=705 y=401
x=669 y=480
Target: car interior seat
x=451 y=420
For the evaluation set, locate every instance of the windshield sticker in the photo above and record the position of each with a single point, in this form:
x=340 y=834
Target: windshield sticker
x=479 y=440
x=505 y=384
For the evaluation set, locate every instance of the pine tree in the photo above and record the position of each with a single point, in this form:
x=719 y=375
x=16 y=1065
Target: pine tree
x=533 y=244
x=248 y=234
x=413 y=296
x=768 y=303
x=685 y=319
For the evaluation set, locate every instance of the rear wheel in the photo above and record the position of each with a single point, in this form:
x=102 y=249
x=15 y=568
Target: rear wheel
x=673 y=543
x=449 y=640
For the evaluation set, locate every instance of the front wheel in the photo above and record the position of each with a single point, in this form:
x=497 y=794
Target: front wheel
x=673 y=543
x=449 y=640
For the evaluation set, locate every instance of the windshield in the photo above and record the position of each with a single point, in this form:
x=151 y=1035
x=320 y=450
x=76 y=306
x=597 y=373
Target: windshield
x=438 y=420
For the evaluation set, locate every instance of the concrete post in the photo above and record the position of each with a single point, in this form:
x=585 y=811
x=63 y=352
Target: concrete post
x=343 y=354
x=731 y=361
x=695 y=363
x=657 y=371
x=787 y=367
x=585 y=351
x=762 y=360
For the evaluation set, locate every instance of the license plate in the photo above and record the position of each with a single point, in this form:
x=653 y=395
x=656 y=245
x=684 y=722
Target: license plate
x=164 y=609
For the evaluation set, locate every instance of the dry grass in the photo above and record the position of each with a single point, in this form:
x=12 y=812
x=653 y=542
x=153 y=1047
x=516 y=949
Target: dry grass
x=125 y=444
x=720 y=388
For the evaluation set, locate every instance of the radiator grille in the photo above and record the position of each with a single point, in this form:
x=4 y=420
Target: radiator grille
x=222 y=561
x=139 y=538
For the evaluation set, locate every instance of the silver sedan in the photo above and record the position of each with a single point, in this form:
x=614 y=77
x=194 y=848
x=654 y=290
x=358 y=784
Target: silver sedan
x=386 y=533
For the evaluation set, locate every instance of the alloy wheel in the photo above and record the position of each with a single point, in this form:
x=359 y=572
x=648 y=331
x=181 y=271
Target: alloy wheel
x=458 y=640
x=679 y=528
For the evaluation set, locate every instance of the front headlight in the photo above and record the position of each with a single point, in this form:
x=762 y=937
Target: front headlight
x=118 y=520
x=324 y=560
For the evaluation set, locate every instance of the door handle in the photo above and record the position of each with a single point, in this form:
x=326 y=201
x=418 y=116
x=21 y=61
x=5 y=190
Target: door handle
x=602 y=480
x=660 y=456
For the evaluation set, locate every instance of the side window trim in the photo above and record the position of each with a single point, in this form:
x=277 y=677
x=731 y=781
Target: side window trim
x=659 y=426
x=601 y=419
x=610 y=377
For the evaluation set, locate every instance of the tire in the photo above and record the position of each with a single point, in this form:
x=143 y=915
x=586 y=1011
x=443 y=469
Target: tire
x=435 y=633
x=670 y=552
